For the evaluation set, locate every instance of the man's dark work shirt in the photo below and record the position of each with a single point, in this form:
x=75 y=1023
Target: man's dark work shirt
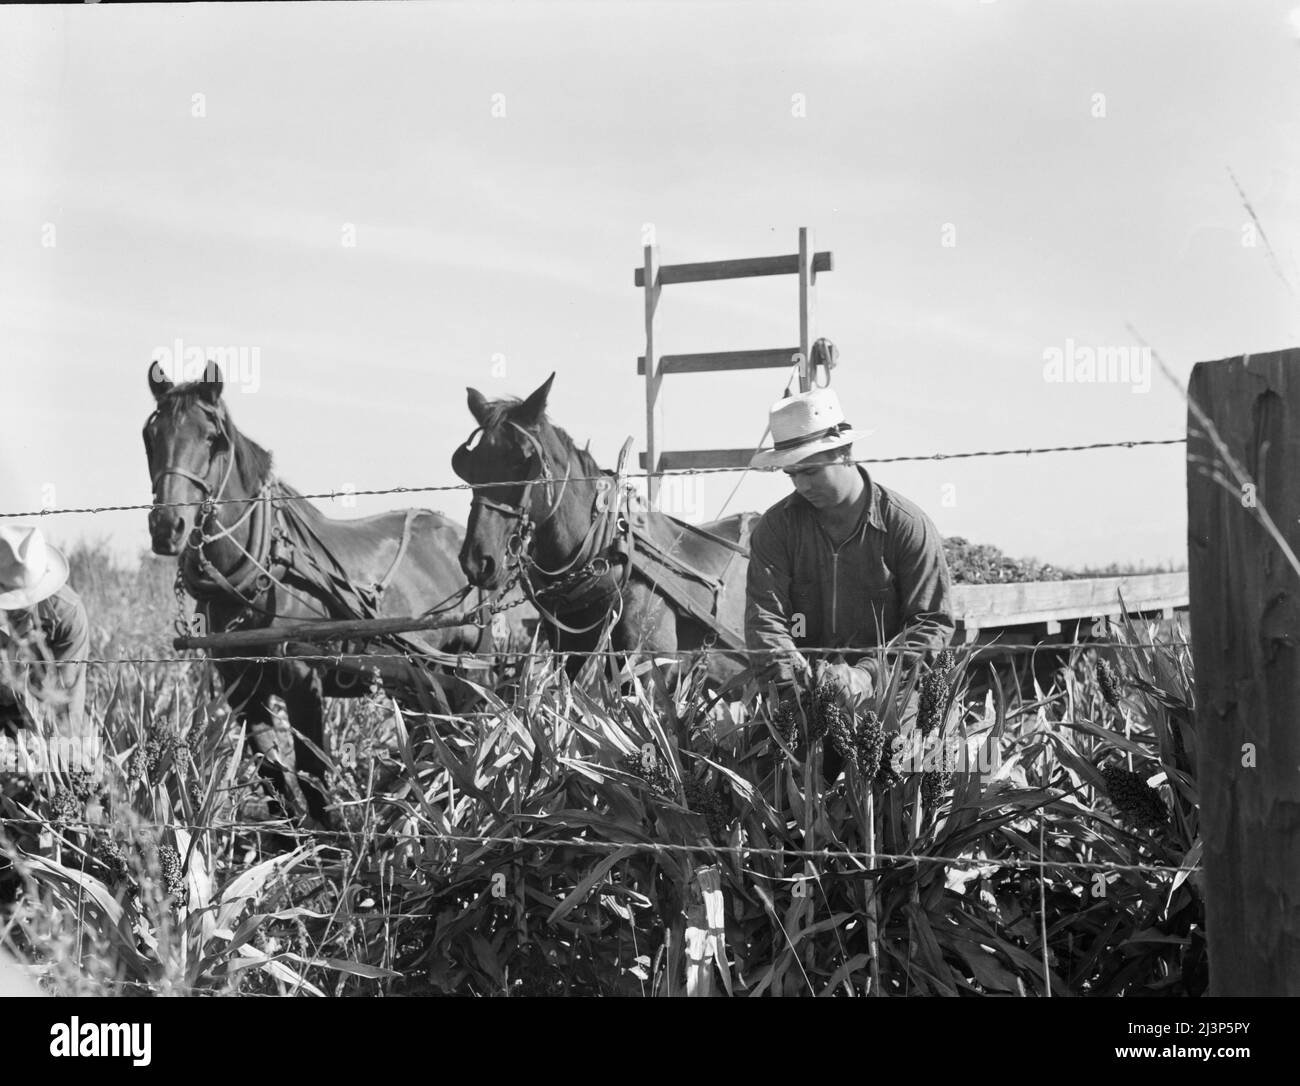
x=888 y=577
x=44 y=649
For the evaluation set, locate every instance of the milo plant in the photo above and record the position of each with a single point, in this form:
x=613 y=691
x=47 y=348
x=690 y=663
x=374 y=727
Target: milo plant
x=135 y=920
x=131 y=885
x=597 y=780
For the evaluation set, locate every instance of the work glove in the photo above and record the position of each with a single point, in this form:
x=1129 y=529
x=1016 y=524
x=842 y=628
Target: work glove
x=853 y=685
x=784 y=677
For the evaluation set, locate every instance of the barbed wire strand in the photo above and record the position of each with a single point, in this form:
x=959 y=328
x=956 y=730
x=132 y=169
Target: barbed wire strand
x=351 y=493
x=509 y=655
x=738 y=851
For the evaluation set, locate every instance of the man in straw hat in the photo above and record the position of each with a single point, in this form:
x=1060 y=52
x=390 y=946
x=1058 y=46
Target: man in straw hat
x=44 y=642
x=843 y=562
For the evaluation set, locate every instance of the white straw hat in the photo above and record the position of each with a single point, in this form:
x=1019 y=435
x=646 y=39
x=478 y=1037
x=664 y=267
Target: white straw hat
x=30 y=569
x=804 y=424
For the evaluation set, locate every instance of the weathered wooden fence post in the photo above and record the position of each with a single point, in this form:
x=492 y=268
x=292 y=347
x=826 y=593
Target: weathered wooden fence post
x=1245 y=617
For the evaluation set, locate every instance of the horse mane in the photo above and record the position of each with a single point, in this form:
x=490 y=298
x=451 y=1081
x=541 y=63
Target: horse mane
x=498 y=411
x=586 y=461
x=253 y=463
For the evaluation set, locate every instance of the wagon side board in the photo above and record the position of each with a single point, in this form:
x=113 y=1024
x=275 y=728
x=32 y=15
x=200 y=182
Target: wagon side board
x=1022 y=612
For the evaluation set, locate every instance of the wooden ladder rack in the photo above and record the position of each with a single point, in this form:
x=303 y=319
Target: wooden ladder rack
x=653 y=277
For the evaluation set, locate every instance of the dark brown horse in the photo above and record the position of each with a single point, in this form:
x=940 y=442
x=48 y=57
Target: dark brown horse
x=545 y=511
x=254 y=555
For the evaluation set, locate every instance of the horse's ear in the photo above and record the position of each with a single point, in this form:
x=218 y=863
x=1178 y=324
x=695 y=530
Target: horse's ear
x=159 y=383
x=478 y=405
x=530 y=411
x=212 y=383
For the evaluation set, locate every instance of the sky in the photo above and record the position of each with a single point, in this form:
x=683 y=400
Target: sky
x=381 y=204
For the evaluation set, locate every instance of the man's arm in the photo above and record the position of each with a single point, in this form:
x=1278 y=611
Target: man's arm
x=924 y=584
x=768 y=616
x=67 y=639
x=914 y=552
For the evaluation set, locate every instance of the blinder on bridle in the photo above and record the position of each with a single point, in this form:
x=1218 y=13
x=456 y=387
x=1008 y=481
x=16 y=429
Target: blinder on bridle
x=460 y=464
x=460 y=458
x=587 y=570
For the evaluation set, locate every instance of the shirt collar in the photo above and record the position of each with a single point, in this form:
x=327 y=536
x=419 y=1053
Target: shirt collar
x=873 y=515
x=873 y=502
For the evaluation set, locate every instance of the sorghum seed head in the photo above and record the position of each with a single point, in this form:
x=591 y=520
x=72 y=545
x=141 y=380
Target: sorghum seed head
x=137 y=770
x=936 y=782
x=652 y=772
x=155 y=747
x=169 y=866
x=66 y=808
x=785 y=721
x=932 y=702
x=182 y=756
x=825 y=708
x=1134 y=798
x=840 y=732
x=1106 y=681
x=890 y=772
x=113 y=857
x=707 y=801
x=869 y=738
x=82 y=784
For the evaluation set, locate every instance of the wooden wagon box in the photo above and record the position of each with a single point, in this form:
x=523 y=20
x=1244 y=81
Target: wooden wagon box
x=1042 y=608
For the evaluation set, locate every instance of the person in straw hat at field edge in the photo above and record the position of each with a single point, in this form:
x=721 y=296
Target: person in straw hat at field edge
x=842 y=562
x=44 y=638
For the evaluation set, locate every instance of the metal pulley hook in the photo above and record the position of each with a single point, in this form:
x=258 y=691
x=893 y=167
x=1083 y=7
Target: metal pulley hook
x=826 y=356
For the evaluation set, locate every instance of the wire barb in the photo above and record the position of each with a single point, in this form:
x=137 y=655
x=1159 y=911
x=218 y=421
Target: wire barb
x=28 y=514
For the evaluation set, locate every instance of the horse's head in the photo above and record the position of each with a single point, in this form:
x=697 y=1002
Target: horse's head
x=188 y=443
x=503 y=457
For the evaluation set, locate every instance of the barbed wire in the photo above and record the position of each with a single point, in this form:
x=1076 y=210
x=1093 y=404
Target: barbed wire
x=662 y=847
x=351 y=493
x=412 y=657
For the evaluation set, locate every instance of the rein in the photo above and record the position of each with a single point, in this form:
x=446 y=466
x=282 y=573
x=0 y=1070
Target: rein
x=280 y=539
x=197 y=539
x=520 y=511
x=276 y=535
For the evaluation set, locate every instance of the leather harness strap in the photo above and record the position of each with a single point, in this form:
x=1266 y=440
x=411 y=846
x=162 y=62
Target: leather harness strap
x=279 y=536
x=585 y=581
x=674 y=568
x=383 y=584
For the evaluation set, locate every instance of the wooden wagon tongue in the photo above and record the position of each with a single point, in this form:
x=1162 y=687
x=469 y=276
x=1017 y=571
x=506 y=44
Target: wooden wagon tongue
x=333 y=630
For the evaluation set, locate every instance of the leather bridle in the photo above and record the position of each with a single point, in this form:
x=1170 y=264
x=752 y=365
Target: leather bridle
x=587 y=561
x=257 y=579
x=200 y=481
x=521 y=512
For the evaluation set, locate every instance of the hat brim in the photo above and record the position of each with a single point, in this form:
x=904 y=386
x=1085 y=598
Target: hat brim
x=783 y=458
x=55 y=577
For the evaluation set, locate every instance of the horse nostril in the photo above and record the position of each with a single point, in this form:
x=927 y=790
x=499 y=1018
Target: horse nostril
x=164 y=527
x=488 y=565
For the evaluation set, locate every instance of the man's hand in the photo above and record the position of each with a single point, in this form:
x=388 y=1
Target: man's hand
x=853 y=685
